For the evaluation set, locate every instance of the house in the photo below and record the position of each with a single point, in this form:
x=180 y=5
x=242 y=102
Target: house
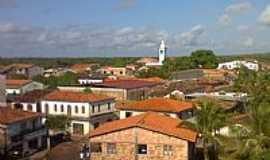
x=123 y=89
x=30 y=101
x=81 y=68
x=146 y=136
x=86 y=110
x=166 y=106
x=237 y=64
x=21 y=133
x=90 y=79
x=2 y=90
x=56 y=72
x=27 y=70
x=146 y=60
x=19 y=87
x=116 y=71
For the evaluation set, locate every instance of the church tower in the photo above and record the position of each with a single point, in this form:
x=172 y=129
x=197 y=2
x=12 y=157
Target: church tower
x=162 y=52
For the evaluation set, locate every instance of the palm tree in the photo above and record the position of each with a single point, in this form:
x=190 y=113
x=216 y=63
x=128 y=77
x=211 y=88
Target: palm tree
x=254 y=138
x=208 y=120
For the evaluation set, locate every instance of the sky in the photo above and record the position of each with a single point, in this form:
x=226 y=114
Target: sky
x=110 y=28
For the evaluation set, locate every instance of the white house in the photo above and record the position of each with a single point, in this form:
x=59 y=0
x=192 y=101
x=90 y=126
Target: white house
x=87 y=79
x=237 y=64
x=30 y=101
x=166 y=106
x=161 y=55
x=18 y=87
x=86 y=110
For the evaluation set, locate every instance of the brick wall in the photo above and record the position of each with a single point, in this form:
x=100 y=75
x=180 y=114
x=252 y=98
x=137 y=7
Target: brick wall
x=125 y=144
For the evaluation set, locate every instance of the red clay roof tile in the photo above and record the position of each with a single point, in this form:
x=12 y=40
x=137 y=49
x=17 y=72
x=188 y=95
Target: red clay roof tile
x=149 y=121
x=75 y=96
x=157 y=105
x=8 y=116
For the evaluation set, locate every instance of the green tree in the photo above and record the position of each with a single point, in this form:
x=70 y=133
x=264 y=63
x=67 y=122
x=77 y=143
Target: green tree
x=58 y=123
x=208 y=119
x=204 y=59
x=68 y=78
x=87 y=90
x=253 y=140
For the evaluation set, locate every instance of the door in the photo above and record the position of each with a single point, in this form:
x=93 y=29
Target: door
x=78 y=129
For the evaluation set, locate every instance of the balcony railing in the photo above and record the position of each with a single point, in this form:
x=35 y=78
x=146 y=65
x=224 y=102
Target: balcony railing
x=29 y=133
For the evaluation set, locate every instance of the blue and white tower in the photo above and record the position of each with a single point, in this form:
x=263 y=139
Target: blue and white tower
x=162 y=52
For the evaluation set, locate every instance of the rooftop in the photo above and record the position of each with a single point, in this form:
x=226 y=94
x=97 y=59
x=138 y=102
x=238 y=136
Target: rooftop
x=149 y=121
x=127 y=84
x=14 y=83
x=8 y=116
x=157 y=105
x=75 y=96
x=33 y=96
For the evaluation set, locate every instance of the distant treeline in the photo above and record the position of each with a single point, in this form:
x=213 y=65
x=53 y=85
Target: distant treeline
x=56 y=62
x=116 y=61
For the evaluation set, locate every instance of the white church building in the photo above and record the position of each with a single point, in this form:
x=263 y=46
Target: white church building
x=161 y=55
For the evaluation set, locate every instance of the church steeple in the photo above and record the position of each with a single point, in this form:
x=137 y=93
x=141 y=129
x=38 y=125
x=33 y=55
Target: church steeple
x=162 y=52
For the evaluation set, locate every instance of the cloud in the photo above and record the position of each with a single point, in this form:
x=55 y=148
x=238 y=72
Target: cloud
x=125 y=4
x=8 y=3
x=225 y=20
x=76 y=38
x=265 y=16
x=190 y=38
x=249 y=42
x=243 y=28
x=239 y=8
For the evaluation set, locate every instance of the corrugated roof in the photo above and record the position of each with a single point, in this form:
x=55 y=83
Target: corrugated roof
x=127 y=84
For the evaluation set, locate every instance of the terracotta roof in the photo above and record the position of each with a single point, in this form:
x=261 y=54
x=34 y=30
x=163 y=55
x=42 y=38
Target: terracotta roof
x=150 y=79
x=149 y=121
x=157 y=105
x=8 y=116
x=33 y=96
x=127 y=84
x=75 y=96
x=80 y=67
x=13 y=83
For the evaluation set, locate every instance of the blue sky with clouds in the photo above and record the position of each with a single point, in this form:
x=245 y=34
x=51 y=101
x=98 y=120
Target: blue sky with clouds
x=94 y=28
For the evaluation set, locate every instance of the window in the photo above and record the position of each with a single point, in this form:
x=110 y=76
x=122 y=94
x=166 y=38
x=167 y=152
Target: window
x=141 y=149
x=121 y=72
x=93 y=109
x=76 y=109
x=167 y=150
x=111 y=148
x=96 y=147
x=96 y=125
x=55 y=108
x=62 y=108
x=109 y=106
x=46 y=108
x=128 y=114
x=29 y=107
x=99 y=108
x=83 y=109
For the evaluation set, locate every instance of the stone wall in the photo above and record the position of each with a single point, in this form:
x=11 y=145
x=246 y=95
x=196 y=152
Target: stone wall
x=125 y=145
